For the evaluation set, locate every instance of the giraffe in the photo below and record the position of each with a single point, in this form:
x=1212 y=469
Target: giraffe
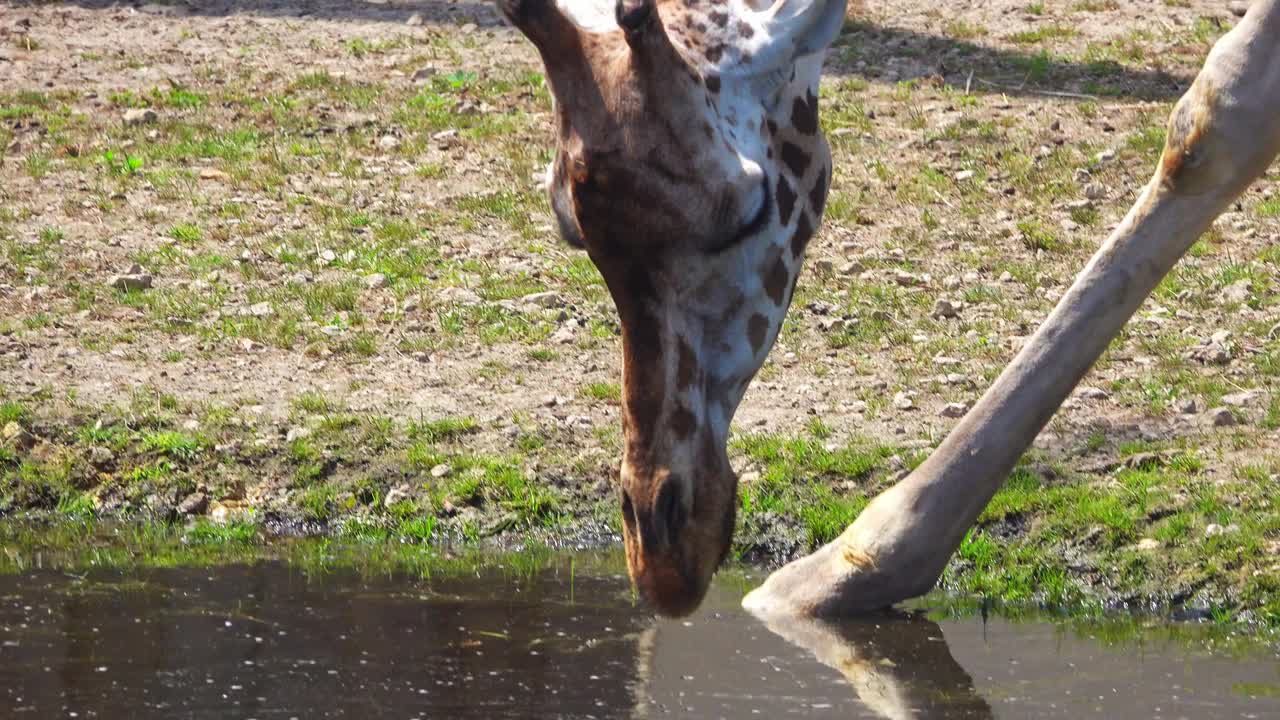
x=690 y=166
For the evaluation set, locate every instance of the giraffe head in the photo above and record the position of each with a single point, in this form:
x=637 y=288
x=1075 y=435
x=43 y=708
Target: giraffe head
x=690 y=167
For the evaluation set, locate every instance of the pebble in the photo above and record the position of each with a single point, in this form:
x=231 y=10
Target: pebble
x=904 y=400
x=549 y=299
x=132 y=282
x=1093 y=393
x=140 y=116
x=194 y=504
x=1149 y=544
x=1242 y=399
x=905 y=279
x=440 y=471
x=943 y=308
x=375 y=281
x=954 y=410
x=1222 y=417
x=1095 y=191
x=1238 y=292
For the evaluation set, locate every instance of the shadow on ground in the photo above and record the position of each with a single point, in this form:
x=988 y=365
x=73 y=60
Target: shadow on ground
x=882 y=53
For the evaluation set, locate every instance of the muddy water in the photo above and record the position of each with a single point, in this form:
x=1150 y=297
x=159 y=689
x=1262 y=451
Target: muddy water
x=269 y=641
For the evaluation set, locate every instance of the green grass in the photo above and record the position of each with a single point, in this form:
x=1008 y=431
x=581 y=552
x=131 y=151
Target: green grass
x=442 y=429
x=610 y=392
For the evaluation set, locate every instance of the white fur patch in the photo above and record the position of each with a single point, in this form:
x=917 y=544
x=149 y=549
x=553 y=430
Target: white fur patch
x=590 y=15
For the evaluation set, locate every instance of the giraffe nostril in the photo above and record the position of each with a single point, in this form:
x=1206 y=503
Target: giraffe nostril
x=669 y=511
x=628 y=510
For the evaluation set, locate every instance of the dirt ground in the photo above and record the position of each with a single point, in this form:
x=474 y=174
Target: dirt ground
x=335 y=205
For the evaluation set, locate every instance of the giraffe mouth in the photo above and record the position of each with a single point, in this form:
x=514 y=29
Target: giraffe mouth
x=752 y=226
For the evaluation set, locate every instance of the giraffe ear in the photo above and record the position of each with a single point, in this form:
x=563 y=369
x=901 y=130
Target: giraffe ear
x=782 y=33
x=634 y=17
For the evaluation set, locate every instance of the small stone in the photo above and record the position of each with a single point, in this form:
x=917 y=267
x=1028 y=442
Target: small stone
x=262 y=309
x=1006 y=276
x=951 y=282
x=824 y=267
x=388 y=142
x=1213 y=529
x=1222 y=417
x=903 y=400
x=549 y=299
x=297 y=433
x=564 y=335
x=749 y=477
x=1149 y=544
x=213 y=174
x=1242 y=399
x=964 y=175
x=16 y=437
x=101 y=458
x=954 y=410
x=395 y=495
x=1095 y=191
x=440 y=471
x=140 y=116
x=905 y=279
x=194 y=504
x=1105 y=156
x=1093 y=393
x=943 y=308
x=831 y=324
x=132 y=282
x=1187 y=406
x=375 y=281
x=423 y=75
x=328 y=256
x=1238 y=292
x=414 y=20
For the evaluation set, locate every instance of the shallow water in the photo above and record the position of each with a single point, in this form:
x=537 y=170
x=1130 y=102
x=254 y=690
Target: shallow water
x=268 y=640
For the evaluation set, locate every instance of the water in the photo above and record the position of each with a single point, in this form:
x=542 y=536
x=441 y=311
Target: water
x=269 y=641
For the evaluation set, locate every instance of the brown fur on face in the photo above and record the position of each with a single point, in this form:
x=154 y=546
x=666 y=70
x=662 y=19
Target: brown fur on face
x=660 y=175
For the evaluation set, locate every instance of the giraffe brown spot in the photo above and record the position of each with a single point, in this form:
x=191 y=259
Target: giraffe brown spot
x=745 y=30
x=713 y=83
x=683 y=423
x=775 y=282
x=804 y=233
x=797 y=160
x=720 y=19
x=713 y=53
x=804 y=114
x=818 y=194
x=686 y=367
x=786 y=200
x=757 y=329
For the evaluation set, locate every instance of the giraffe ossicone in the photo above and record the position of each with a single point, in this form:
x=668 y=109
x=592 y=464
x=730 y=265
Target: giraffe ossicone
x=690 y=166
